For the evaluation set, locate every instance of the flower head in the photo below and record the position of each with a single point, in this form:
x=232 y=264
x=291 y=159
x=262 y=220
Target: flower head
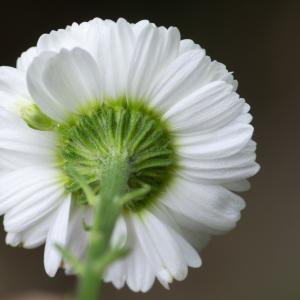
x=103 y=90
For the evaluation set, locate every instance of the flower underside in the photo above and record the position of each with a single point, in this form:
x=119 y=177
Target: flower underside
x=120 y=129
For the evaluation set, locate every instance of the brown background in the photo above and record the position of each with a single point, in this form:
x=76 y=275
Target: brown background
x=260 y=41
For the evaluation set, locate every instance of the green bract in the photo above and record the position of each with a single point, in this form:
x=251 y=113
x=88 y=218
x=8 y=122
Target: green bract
x=101 y=132
x=35 y=118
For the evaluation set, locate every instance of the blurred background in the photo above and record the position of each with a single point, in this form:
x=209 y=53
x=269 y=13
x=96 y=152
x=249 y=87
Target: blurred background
x=260 y=42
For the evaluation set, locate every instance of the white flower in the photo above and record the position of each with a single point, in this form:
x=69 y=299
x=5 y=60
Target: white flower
x=145 y=71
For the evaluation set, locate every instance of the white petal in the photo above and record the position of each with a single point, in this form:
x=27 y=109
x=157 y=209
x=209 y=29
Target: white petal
x=135 y=269
x=223 y=170
x=221 y=176
x=189 y=254
x=148 y=277
x=212 y=206
x=119 y=236
x=27 y=140
x=114 y=54
x=193 y=232
x=140 y=276
x=9 y=114
x=220 y=143
x=212 y=106
x=191 y=70
x=217 y=71
x=116 y=273
x=85 y=35
x=60 y=83
x=150 y=251
x=26 y=59
x=177 y=80
x=187 y=45
x=13 y=81
x=245 y=116
x=18 y=185
x=72 y=78
x=238 y=186
x=37 y=234
x=159 y=246
x=57 y=235
x=38 y=90
x=57 y=40
x=139 y=272
x=13 y=160
x=238 y=160
x=13 y=239
x=32 y=204
x=32 y=237
x=155 y=48
x=139 y=27
x=77 y=237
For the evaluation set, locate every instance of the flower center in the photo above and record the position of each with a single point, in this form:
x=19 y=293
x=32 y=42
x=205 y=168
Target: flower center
x=100 y=132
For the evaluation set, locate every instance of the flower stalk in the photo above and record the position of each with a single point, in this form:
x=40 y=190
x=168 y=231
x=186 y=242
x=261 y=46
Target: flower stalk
x=107 y=208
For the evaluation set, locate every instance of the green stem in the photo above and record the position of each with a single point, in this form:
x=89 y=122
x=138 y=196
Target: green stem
x=108 y=206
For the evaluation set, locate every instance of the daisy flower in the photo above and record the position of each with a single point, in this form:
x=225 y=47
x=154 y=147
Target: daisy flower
x=133 y=98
